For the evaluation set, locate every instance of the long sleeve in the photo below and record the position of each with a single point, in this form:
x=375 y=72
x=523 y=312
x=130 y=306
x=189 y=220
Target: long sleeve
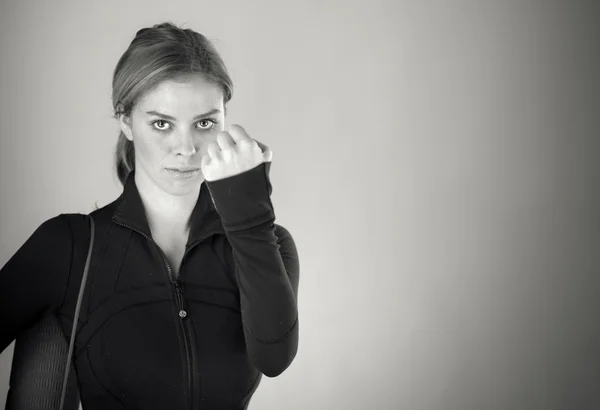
x=266 y=265
x=34 y=279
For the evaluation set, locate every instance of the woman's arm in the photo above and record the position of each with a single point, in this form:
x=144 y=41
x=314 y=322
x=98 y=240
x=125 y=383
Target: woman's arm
x=266 y=263
x=33 y=281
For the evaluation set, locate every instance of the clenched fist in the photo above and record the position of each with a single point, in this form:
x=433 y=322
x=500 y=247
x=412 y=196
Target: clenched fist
x=234 y=152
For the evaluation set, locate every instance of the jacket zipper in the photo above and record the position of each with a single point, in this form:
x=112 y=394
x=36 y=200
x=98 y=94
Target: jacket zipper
x=182 y=315
x=182 y=312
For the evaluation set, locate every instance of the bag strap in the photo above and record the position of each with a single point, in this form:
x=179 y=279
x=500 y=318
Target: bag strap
x=76 y=317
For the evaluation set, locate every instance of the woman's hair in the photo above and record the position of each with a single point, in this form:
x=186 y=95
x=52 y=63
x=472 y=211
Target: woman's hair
x=163 y=52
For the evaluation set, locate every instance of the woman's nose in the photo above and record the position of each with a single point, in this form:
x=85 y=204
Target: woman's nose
x=184 y=145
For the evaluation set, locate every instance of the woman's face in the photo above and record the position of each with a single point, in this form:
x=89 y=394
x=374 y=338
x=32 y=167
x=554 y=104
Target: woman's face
x=171 y=127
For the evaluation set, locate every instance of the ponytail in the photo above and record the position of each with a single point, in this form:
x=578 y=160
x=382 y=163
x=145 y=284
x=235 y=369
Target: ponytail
x=124 y=158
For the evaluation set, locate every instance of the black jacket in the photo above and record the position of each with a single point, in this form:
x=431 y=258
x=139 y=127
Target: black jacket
x=145 y=339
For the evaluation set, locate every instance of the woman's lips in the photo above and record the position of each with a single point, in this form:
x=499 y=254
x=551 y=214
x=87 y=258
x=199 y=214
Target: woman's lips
x=183 y=172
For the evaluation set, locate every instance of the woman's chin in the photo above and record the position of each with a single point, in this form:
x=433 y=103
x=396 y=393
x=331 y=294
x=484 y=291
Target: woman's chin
x=183 y=187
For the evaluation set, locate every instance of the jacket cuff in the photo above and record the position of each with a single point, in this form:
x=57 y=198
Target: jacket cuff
x=244 y=200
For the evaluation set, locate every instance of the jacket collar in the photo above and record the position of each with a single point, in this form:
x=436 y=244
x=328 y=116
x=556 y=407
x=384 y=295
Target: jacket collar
x=130 y=212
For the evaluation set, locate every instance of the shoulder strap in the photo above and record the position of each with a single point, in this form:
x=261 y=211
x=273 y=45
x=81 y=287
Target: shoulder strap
x=76 y=317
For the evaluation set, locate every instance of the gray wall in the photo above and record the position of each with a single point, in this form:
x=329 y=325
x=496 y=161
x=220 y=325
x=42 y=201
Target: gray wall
x=435 y=162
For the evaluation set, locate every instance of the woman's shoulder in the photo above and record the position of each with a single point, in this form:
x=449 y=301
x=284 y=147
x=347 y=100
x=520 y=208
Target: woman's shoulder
x=53 y=228
x=283 y=234
x=74 y=227
x=44 y=260
x=74 y=221
x=61 y=225
x=59 y=232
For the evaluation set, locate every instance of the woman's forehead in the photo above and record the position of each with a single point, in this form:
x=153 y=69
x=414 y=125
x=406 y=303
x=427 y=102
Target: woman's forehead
x=192 y=95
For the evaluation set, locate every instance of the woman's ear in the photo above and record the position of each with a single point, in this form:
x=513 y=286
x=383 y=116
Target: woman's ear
x=124 y=123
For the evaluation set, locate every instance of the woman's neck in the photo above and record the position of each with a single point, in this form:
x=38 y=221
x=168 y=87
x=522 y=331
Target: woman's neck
x=163 y=210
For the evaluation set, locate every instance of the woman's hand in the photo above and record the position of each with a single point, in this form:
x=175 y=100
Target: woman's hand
x=234 y=152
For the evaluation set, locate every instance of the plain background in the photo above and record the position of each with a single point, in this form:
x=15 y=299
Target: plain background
x=436 y=163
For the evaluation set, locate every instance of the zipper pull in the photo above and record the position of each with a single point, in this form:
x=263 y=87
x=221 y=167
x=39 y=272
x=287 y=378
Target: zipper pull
x=179 y=295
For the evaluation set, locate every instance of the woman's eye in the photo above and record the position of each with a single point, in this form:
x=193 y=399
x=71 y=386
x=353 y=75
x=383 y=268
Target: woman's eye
x=207 y=124
x=160 y=124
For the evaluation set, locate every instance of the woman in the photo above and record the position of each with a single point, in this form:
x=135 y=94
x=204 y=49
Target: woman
x=192 y=287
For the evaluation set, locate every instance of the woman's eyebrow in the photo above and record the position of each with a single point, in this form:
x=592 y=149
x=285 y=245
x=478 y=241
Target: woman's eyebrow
x=168 y=117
